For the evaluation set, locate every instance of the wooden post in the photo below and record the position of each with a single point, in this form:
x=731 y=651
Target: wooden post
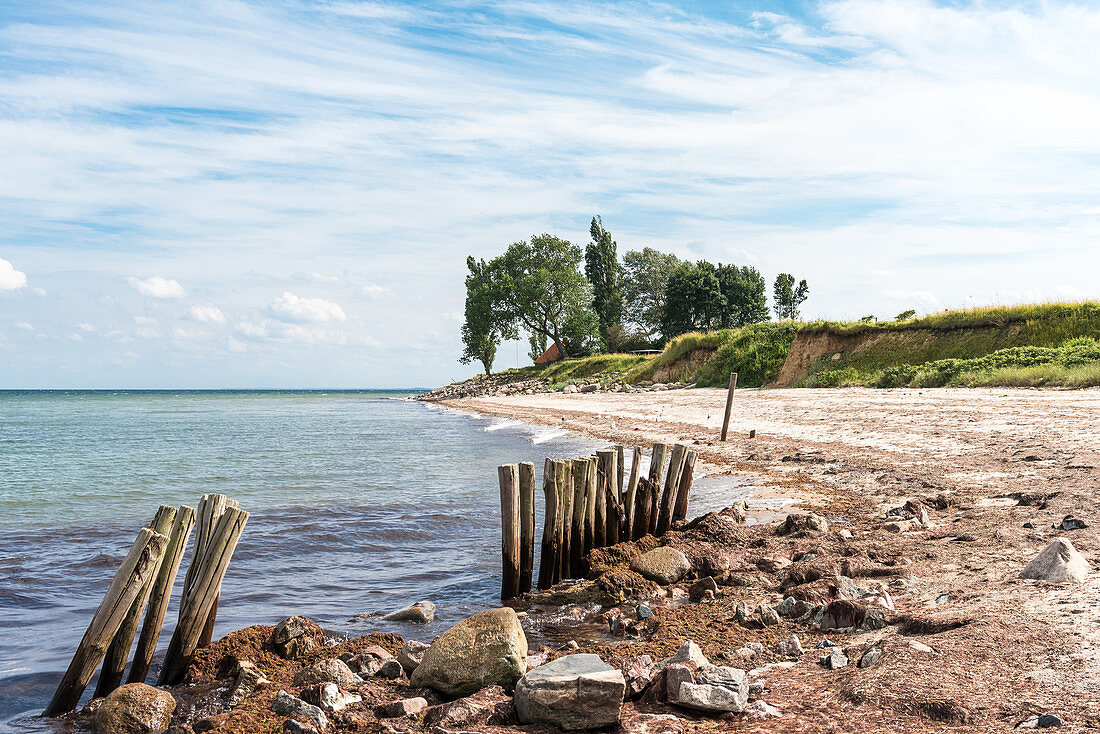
x=656 y=472
x=729 y=405
x=508 y=474
x=579 y=470
x=161 y=594
x=208 y=627
x=631 y=494
x=211 y=506
x=547 y=560
x=565 y=486
x=645 y=502
x=526 y=525
x=668 y=491
x=609 y=469
x=600 y=539
x=619 y=478
x=591 y=484
x=114 y=662
x=127 y=584
x=198 y=603
x=684 y=488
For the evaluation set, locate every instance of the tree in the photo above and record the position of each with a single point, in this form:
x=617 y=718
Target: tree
x=693 y=299
x=645 y=279
x=788 y=297
x=601 y=267
x=486 y=324
x=905 y=315
x=745 y=291
x=537 y=285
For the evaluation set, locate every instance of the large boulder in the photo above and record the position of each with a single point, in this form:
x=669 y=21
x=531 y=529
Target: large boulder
x=331 y=670
x=486 y=649
x=716 y=689
x=803 y=522
x=490 y=706
x=1059 y=562
x=134 y=708
x=422 y=612
x=664 y=565
x=573 y=692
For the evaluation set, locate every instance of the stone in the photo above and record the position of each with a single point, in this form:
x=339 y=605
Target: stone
x=328 y=697
x=869 y=658
x=845 y=533
x=643 y=611
x=791 y=647
x=689 y=654
x=639 y=674
x=293 y=637
x=590 y=387
x=834 y=659
x=636 y=723
x=697 y=591
x=402 y=707
x=786 y=607
x=761 y=710
x=757 y=688
x=134 y=708
x=570 y=389
x=1069 y=522
x=411 y=654
x=920 y=646
x=676 y=675
x=391 y=670
x=803 y=522
x=574 y=692
x=248 y=679
x=717 y=689
x=741 y=611
x=288 y=705
x=1048 y=720
x=663 y=565
x=331 y=670
x=1059 y=562
x=489 y=706
x=486 y=649
x=291 y=726
x=422 y=612
x=772 y=564
x=769 y=617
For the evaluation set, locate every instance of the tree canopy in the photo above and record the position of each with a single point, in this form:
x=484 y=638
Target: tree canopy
x=601 y=267
x=484 y=327
x=645 y=278
x=701 y=296
x=787 y=296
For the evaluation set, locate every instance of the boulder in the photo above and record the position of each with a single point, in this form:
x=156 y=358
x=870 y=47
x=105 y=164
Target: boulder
x=791 y=647
x=664 y=565
x=1059 y=562
x=489 y=706
x=331 y=670
x=869 y=658
x=248 y=679
x=639 y=674
x=402 y=707
x=391 y=670
x=570 y=389
x=697 y=591
x=134 y=708
x=761 y=710
x=294 y=637
x=636 y=723
x=329 y=697
x=834 y=659
x=288 y=705
x=689 y=654
x=574 y=692
x=486 y=649
x=803 y=522
x=716 y=689
x=411 y=655
x=420 y=613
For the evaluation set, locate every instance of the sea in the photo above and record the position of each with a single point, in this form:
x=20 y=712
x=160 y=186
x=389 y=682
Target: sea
x=361 y=502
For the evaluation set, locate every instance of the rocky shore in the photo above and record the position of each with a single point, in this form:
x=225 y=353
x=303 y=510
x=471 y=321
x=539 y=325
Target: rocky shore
x=506 y=383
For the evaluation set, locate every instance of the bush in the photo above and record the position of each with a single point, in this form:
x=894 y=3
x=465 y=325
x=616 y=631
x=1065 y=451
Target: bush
x=755 y=353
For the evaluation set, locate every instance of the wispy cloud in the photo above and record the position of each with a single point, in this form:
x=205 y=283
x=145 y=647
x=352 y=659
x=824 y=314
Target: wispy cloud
x=289 y=307
x=157 y=287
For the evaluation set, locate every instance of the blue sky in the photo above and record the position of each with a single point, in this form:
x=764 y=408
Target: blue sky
x=250 y=194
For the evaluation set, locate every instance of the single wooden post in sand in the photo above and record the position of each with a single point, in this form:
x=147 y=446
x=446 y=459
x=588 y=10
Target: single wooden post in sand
x=547 y=560
x=565 y=486
x=508 y=474
x=526 y=525
x=629 y=497
x=687 y=476
x=114 y=662
x=668 y=491
x=161 y=594
x=579 y=470
x=729 y=405
x=136 y=569
x=198 y=603
x=609 y=469
x=591 y=483
x=656 y=470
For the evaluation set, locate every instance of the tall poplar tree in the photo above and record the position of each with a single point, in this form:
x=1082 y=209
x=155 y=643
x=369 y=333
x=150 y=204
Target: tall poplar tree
x=601 y=267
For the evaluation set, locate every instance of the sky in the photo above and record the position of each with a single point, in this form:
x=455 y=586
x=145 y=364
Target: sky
x=283 y=194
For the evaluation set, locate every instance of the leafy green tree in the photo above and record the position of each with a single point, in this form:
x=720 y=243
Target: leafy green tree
x=745 y=291
x=538 y=286
x=601 y=267
x=788 y=297
x=486 y=324
x=693 y=299
x=538 y=345
x=905 y=315
x=645 y=279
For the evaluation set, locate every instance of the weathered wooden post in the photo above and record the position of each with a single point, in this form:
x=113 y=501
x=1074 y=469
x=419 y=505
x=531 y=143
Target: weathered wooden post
x=643 y=510
x=526 y=525
x=668 y=491
x=508 y=475
x=656 y=471
x=548 y=559
x=601 y=503
x=609 y=468
x=590 y=501
x=687 y=475
x=729 y=404
x=620 y=454
x=197 y=605
x=127 y=584
x=629 y=497
x=114 y=661
x=161 y=594
x=565 y=486
x=579 y=470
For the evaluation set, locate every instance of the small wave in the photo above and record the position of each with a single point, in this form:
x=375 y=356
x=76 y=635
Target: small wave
x=503 y=424
x=545 y=436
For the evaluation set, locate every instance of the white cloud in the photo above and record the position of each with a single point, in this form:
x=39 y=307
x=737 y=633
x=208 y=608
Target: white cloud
x=319 y=278
x=289 y=307
x=157 y=287
x=374 y=291
x=207 y=314
x=86 y=327
x=10 y=278
x=23 y=325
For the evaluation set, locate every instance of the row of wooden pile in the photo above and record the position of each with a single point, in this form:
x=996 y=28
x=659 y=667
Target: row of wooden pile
x=143 y=583
x=589 y=503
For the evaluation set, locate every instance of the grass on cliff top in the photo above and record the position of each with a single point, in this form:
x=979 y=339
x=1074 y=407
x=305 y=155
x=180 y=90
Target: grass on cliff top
x=1069 y=316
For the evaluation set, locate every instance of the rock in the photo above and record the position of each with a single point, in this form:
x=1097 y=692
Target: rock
x=716 y=689
x=757 y=688
x=636 y=723
x=1048 y=720
x=768 y=616
x=741 y=611
x=293 y=637
x=486 y=649
x=411 y=655
x=331 y=670
x=697 y=591
x=570 y=389
x=573 y=692
x=869 y=658
x=642 y=611
x=920 y=646
x=845 y=533
x=403 y=707
x=834 y=659
x=639 y=674
x=1069 y=522
x=248 y=679
x=329 y=697
x=761 y=710
x=803 y=522
x=664 y=565
x=744 y=653
x=1059 y=562
x=420 y=613
x=844 y=614
x=287 y=705
x=391 y=670
x=791 y=647
x=134 y=708
x=290 y=726
x=490 y=705
x=689 y=654
x=772 y=564
x=785 y=607
x=590 y=387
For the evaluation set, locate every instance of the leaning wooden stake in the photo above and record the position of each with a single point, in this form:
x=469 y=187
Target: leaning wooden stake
x=208 y=627
x=161 y=594
x=683 y=489
x=609 y=469
x=197 y=605
x=630 y=496
x=548 y=560
x=590 y=496
x=114 y=662
x=600 y=539
x=656 y=470
x=729 y=405
x=508 y=475
x=579 y=470
x=127 y=584
x=526 y=525
x=668 y=491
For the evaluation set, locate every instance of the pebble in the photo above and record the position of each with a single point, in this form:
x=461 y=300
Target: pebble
x=642 y=611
